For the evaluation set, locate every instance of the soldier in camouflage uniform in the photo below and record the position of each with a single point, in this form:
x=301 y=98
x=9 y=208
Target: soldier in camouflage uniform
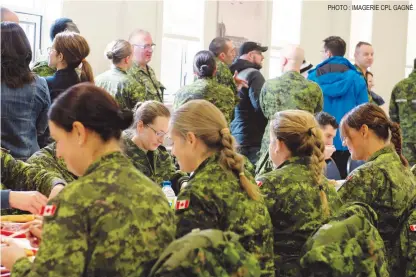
x=61 y=24
x=220 y=194
x=18 y=175
x=140 y=71
x=384 y=182
x=112 y=221
x=348 y=245
x=205 y=87
x=143 y=142
x=403 y=111
x=289 y=91
x=125 y=89
x=297 y=194
x=46 y=159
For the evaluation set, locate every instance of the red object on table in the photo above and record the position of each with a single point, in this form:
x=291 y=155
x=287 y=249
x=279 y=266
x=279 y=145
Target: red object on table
x=9 y=233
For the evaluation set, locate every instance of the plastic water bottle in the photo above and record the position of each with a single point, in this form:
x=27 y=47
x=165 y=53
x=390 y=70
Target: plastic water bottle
x=169 y=193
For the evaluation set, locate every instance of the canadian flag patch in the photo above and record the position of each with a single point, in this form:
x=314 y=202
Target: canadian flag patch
x=259 y=183
x=412 y=227
x=182 y=204
x=48 y=210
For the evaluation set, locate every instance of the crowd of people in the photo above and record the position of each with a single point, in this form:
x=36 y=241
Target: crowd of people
x=279 y=163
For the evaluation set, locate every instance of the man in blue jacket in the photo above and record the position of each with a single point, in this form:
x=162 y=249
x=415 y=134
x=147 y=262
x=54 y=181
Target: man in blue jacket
x=343 y=88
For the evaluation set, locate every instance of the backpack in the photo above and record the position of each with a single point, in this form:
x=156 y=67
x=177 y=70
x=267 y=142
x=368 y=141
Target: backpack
x=348 y=245
x=206 y=253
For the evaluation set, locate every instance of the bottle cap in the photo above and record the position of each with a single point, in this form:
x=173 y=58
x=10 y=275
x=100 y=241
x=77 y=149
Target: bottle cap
x=167 y=183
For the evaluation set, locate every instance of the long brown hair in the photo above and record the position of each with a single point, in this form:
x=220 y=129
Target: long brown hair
x=376 y=119
x=208 y=123
x=302 y=135
x=75 y=49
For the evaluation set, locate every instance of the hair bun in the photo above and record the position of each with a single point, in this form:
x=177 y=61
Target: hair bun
x=125 y=118
x=109 y=55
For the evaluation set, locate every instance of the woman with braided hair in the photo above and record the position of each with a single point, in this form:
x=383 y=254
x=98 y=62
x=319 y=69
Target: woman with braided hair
x=220 y=194
x=299 y=197
x=385 y=181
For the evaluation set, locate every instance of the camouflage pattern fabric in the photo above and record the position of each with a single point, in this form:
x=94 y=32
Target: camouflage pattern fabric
x=348 y=245
x=384 y=184
x=154 y=88
x=224 y=76
x=414 y=170
x=295 y=208
x=207 y=89
x=403 y=111
x=46 y=159
x=214 y=199
x=113 y=221
x=162 y=168
x=370 y=98
x=289 y=91
x=126 y=90
x=20 y=176
x=206 y=253
x=42 y=69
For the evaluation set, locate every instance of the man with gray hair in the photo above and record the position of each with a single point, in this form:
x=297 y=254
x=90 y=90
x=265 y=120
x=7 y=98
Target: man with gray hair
x=143 y=47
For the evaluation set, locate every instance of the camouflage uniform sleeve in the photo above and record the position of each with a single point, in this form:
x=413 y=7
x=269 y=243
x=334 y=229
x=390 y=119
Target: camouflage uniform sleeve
x=320 y=105
x=18 y=175
x=201 y=212
x=361 y=185
x=135 y=93
x=64 y=244
x=42 y=69
x=268 y=189
x=393 y=110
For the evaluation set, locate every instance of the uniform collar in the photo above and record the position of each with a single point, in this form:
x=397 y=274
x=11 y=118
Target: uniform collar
x=111 y=157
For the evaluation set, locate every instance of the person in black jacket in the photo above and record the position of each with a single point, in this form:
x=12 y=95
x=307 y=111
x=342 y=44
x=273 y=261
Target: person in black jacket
x=249 y=122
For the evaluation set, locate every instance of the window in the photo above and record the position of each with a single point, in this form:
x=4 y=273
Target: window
x=411 y=41
x=284 y=11
x=182 y=39
x=32 y=25
x=361 y=26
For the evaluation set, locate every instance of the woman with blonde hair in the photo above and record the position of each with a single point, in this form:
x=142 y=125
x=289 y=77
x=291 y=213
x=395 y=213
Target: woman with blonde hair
x=125 y=89
x=299 y=197
x=220 y=194
x=143 y=143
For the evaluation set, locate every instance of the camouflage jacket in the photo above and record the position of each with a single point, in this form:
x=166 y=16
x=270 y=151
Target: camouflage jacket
x=403 y=111
x=20 y=176
x=42 y=69
x=225 y=77
x=207 y=89
x=126 y=90
x=295 y=208
x=214 y=199
x=162 y=168
x=110 y=222
x=46 y=159
x=206 y=253
x=154 y=88
x=384 y=184
x=348 y=245
x=289 y=91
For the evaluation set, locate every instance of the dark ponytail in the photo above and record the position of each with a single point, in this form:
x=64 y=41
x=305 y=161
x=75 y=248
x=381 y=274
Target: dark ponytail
x=396 y=140
x=204 y=64
x=92 y=106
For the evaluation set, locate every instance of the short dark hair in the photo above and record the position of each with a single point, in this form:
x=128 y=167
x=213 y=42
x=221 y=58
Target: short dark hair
x=336 y=45
x=16 y=55
x=204 y=64
x=94 y=107
x=218 y=45
x=361 y=43
x=368 y=73
x=62 y=24
x=324 y=119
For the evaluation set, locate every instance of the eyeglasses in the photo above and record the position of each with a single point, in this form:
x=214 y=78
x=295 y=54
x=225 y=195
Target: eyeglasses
x=50 y=49
x=160 y=134
x=146 y=46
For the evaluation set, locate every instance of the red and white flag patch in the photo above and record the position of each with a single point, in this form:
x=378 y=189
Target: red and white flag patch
x=182 y=204
x=412 y=227
x=48 y=210
x=259 y=183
